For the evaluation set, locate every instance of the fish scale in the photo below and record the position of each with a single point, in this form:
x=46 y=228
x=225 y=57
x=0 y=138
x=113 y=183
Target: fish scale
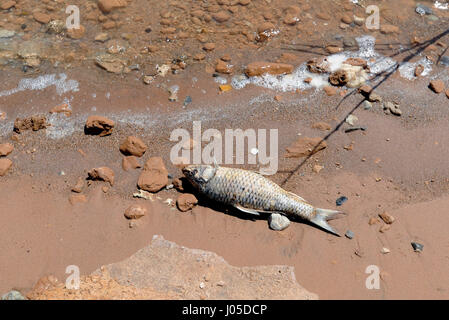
x=251 y=192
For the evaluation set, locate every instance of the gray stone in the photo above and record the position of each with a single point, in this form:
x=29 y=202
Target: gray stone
x=6 y=33
x=444 y=61
x=349 y=234
x=422 y=9
x=13 y=295
x=278 y=222
x=418 y=247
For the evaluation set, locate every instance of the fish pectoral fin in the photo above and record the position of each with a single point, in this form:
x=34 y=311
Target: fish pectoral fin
x=246 y=210
x=294 y=195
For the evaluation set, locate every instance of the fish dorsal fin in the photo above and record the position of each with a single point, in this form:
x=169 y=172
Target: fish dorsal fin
x=295 y=196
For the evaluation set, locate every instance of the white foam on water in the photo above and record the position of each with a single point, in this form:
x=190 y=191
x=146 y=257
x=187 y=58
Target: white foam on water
x=407 y=69
x=441 y=6
x=290 y=82
x=42 y=82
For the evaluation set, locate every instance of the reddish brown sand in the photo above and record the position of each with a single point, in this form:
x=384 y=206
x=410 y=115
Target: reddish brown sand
x=399 y=164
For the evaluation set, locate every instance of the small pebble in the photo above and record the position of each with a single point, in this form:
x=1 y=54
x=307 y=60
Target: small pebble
x=341 y=200
x=418 y=247
x=349 y=234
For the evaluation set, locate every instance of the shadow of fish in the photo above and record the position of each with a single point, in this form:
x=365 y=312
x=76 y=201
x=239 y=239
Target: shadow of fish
x=252 y=193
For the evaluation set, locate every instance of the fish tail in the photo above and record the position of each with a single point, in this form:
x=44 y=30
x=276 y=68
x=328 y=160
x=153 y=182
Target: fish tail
x=322 y=216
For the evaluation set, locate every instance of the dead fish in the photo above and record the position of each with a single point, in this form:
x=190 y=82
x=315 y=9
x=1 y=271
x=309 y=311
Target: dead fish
x=252 y=193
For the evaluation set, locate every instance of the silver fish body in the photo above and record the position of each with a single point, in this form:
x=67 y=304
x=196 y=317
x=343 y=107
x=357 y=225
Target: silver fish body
x=251 y=192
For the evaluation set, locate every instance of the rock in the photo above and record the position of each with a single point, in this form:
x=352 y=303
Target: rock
x=278 y=222
x=209 y=46
x=317 y=168
x=76 y=33
x=7 y=5
x=62 y=108
x=386 y=217
x=419 y=70
x=148 y=79
x=133 y=146
x=5 y=165
x=13 y=294
x=77 y=198
x=135 y=211
x=6 y=33
x=305 y=146
x=349 y=234
x=98 y=125
x=333 y=49
x=221 y=16
x=388 y=29
x=106 y=6
x=41 y=17
x=374 y=97
x=323 y=126
x=199 y=56
x=223 y=67
x=316 y=65
x=365 y=90
x=367 y=105
x=102 y=37
x=351 y=119
x=265 y=31
x=385 y=250
x=384 y=228
x=154 y=176
x=78 y=187
x=392 y=107
x=417 y=247
x=339 y=78
x=111 y=63
x=330 y=91
x=259 y=68
x=356 y=62
x=103 y=174
x=130 y=162
x=186 y=201
x=323 y=15
x=373 y=220
x=178 y=184
x=422 y=9
x=436 y=86
x=34 y=123
x=346 y=19
x=447 y=93
x=225 y=87
x=341 y=200
x=166 y=270
x=5 y=149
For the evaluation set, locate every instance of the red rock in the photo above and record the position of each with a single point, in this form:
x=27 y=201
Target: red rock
x=106 y=6
x=135 y=211
x=79 y=185
x=154 y=176
x=259 y=68
x=447 y=93
x=199 y=56
x=223 y=67
x=178 y=184
x=333 y=49
x=226 y=58
x=77 y=198
x=305 y=146
x=186 y=201
x=209 y=46
x=365 y=90
x=330 y=91
x=41 y=17
x=5 y=164
x=133 y=146
x=221 y=16
x=419 y=70
x=103 y=173
x=76 y=33
x=323 y=126
x=99 y=125
x=5 y=149
x=436 y=86
x=7 y=5
x=386 y=217
x=323 y=16
x=388 y=28
x=359 y=62
x=346 y=19
x=130 y=162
